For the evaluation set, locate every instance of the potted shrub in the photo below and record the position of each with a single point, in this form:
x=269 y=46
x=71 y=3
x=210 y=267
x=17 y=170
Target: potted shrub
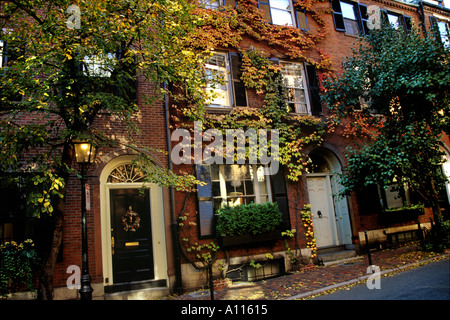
x=248 y=224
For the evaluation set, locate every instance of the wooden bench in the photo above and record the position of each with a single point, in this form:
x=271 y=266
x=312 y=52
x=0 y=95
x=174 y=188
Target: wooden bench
x=398 y=237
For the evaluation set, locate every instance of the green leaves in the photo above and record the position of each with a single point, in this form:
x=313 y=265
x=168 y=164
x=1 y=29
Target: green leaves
x=47 y=186
x=406 y=78
x=19 y=261
x=248 y=219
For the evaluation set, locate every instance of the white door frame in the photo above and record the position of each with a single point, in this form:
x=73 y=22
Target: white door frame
x=340 y=204
x=331 y=219
x=156 y=216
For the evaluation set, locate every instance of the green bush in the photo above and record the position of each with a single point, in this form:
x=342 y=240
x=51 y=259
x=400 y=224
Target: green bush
x=439 y=238
x=17 y=264
x=248 y=219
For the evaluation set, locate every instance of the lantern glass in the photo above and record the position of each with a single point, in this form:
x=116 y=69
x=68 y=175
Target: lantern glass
x=84 y=152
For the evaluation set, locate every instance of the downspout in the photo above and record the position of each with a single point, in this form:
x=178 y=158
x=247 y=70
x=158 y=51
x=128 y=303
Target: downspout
x=422 y=17
x=174 y=225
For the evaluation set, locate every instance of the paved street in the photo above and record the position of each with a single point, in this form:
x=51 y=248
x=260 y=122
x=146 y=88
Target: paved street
x=430 y=282
x=312 y=280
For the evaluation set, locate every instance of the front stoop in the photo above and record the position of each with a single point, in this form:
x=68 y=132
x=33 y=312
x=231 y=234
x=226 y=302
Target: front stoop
x=143 y=294
x=329 y=255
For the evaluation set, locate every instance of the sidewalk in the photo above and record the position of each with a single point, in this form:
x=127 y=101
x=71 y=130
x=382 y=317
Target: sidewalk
x=315 y=280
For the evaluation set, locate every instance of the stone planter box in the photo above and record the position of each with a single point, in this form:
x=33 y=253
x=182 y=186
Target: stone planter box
x=249 y=239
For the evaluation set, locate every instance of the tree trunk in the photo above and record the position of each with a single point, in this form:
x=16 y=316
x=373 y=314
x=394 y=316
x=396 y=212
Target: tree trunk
x=45 y=289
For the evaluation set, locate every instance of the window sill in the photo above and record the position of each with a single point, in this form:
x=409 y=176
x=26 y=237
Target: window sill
x=219 y=110
x=294 y=114
x=352 y=35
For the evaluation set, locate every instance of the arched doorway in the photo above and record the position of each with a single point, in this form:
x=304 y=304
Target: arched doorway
x=133 y=237
x=329 y=212
x=444 y=196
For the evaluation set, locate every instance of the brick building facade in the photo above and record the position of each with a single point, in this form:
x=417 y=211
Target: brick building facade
x=340 y=225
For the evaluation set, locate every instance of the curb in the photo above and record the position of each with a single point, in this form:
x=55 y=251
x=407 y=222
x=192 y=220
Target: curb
x=349 y=282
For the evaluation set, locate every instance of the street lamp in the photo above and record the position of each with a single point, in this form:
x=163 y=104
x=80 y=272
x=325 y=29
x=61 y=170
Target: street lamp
x=84 y=156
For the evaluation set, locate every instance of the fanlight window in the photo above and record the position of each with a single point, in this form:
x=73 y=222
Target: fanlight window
x=125 y=173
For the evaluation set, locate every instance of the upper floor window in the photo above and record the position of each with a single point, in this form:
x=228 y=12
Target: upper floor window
x=283 y=13
x=396 y=20
x=1 y=53
x=349 y=14
x=295 y=85
x=442 y=30
x=223 y=73
x=99 y=65
x=211 y=4
x=9 y=53
x=218 y=81
x=302 y=89
x=350 y=17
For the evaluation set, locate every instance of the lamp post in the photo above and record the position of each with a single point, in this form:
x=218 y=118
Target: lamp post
x=84 y=156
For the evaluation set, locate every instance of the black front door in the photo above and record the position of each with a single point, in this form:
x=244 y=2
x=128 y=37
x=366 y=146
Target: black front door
x=131 y=235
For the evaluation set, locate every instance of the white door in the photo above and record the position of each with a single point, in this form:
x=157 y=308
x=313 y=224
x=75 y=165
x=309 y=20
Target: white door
x=322 y=210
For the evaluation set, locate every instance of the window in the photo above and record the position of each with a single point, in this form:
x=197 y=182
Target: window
x=350 y=17
x=10 y=52
x=374 y=199
x=216 y=4
x=302 y=88
x=1 y=53
x=442 y=30
x=234 y=185
x=444 y=33
x=218 y=82
x=223 y=74
x=211 y=4
x=283 y=13
x=294 y=82
x=98 y=66
x=396 y=20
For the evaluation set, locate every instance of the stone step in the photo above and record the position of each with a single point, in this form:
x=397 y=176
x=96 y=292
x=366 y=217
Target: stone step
x=324 y=250
x=336 y=255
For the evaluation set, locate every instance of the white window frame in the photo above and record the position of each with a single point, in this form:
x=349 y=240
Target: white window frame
x=299 y=107
x=2 y=48
x=211 y=4
x=350 y=15
x=220 y=92
x=228 y=200
x=444 y=32
x=290 y=10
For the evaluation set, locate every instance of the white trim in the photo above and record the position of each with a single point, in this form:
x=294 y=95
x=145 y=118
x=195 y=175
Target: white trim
x=305 y=87
x=156 y=215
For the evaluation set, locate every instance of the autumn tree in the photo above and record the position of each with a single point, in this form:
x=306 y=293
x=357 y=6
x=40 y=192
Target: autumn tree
x=395 y=89
x=61 y=65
